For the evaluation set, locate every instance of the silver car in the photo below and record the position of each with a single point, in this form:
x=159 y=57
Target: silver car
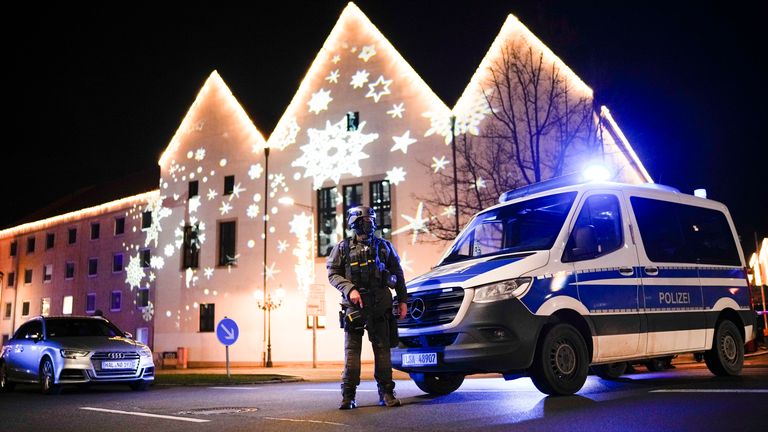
x=52 y=351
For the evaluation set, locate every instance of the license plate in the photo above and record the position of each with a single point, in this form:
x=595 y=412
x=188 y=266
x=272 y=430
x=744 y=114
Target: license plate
x=420 y=359
x=126 y=364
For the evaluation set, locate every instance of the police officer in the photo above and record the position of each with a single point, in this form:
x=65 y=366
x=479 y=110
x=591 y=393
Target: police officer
x=363 y=268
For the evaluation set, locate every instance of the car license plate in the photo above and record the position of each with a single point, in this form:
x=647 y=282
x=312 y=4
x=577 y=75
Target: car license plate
x=125 y=364
x=420 y=359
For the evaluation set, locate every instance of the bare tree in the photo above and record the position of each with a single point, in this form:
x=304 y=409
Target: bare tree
x=537 y=127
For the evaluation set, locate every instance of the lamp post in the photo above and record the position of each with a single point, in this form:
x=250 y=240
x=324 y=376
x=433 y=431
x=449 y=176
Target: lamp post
x=267 y=304
x=266 y=356
x=291 y=202
x=455 y=174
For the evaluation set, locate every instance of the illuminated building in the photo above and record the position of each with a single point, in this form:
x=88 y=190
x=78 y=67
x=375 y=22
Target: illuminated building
x=363 y=128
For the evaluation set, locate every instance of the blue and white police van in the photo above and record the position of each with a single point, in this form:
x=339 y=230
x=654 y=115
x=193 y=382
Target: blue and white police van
x=557 y=278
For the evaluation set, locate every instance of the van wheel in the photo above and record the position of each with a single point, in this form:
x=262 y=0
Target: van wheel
x=726 y=358
x=656 y=365
x=610 y=371
x=5 y=385
x=561 y=362
x=47 y=379
x=437 y=384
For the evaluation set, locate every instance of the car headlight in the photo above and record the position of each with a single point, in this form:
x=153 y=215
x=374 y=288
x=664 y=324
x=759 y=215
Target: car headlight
x=145 y=352
x=73 y=354
x=502 y=290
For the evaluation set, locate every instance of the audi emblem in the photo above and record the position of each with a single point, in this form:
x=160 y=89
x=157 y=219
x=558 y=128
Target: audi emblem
x=417 y=309
x=116 y=355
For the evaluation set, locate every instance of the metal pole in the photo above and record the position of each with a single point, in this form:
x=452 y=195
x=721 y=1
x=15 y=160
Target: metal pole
x=269 y=333
x=265 y=360
x=455 y=175
x=227 y=361
x=314 y=342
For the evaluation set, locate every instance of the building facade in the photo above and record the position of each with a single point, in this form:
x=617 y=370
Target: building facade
x=240 y=224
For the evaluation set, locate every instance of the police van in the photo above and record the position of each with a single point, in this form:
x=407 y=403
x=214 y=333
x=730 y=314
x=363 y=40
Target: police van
x=559 y=277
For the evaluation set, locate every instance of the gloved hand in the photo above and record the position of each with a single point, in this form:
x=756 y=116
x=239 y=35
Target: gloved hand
x=355 y=298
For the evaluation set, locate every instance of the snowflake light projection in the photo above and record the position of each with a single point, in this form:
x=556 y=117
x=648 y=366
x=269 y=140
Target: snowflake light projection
x=255 y=171
x=194 y=204
x=359 y=79
x=271 y=271
x=320 y=101
x=200 y=154
x=134 y=272
x=333 y=151
x=396 y=175
x=375 y=93
x=148 y=312
x=478 y=108
x=158 y=213
x=405 y=263
x=285 y=134
x=367 y=52
x=301 y=226
x=208 y=272
x=225 y=208
x=439 y=124
x=282 y=246
x=211 y=194
x=397 y=110
x=253 y=211
x=416 y=224
x=439 y=164
x=333 y=77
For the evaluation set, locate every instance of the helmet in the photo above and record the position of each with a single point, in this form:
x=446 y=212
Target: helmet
x=359 y=211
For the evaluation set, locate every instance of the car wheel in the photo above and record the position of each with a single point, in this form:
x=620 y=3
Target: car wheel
x=726 y=358
x=140 y=385
x=47 y=378
x=437 y=384
x=610 y=371
x=5 y=385
x=561 y=362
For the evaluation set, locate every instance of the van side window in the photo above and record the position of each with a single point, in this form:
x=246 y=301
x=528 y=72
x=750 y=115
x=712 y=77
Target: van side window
x=597 y=231
x=674 y=232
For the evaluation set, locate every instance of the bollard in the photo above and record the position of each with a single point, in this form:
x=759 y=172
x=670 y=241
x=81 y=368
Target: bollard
x=181 y=357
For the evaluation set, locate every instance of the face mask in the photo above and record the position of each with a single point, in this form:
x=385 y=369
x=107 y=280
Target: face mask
x=364 y=227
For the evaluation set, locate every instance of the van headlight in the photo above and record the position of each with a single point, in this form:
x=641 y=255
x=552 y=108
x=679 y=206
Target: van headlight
x=502 y=290
x=73 y=354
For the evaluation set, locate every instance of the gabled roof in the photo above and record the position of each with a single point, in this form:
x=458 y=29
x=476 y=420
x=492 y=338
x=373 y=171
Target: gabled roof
x=214 y=99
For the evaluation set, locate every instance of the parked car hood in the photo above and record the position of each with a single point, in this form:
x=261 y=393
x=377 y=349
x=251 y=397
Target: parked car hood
x=97 y=343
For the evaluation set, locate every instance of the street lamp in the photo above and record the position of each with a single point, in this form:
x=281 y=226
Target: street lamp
x=266 y=361
x=268 y=305
x=289 y=201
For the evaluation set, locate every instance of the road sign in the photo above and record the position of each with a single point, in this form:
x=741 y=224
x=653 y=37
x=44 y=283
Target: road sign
x=316 y=300
x=227 y=331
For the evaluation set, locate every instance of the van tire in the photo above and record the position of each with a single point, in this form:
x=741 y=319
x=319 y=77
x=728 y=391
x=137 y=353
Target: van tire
x=726 y=358
x=561 y=361
x=610 y=371
x=437 y=384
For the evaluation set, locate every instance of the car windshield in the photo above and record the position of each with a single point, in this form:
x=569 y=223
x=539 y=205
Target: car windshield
x=524 y=226
x=73 y=327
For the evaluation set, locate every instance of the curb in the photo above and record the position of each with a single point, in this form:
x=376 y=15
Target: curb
x=231 y=384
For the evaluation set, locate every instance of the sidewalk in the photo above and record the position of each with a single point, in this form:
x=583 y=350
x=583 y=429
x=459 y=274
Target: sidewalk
x=331 y=372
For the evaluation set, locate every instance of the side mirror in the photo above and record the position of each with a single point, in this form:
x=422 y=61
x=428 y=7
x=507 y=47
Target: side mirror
x=128 y=335
x=585 y=243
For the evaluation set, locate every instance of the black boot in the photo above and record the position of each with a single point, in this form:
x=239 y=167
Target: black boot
x=387 y=396
x=347 y=397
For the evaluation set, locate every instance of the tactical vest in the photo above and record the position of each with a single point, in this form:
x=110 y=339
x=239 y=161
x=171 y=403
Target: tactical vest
x=363 y=263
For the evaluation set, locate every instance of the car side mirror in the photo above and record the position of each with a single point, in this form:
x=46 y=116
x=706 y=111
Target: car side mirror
x=585 y=243
x=128 y=335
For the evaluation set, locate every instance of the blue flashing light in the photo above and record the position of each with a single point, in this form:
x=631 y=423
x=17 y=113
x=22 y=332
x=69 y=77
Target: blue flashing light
x=553 y=183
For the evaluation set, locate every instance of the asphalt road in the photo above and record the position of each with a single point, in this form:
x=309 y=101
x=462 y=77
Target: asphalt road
x=685 y=398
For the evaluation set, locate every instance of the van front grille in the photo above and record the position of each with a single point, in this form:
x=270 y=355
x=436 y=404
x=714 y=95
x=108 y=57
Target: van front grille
x=433 y=307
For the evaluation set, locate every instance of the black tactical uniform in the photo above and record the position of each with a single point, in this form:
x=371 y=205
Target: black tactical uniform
x=370 y=266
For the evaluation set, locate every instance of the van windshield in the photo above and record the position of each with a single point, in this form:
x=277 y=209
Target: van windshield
x=524 y=226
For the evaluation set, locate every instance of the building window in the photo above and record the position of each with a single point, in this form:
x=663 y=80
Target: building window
x=229 y=185
x=14 y=247
x=47 y=272
x=25 y=308
x=119 y=226
x=207 y=317
x=7 y=313
x=66 y=308
x=146 y=258
x=381 y=202
x=31 y=245
x=353 y=197
x=117 y=263
x=191 y=248
x=69 y=272
x=11 y=279
x=90 y=302
x=143 y=298
x=227 y=235
x=319 y=321
x=353 y=121
x=93 y=266
x=45 y=306
x=50 y=239
x=95 y=230
x=142 y=335
x=72 y=235
x=116 y=301
x=27 y=276
x=146 y=220
x=327 y=232
x=193 y=188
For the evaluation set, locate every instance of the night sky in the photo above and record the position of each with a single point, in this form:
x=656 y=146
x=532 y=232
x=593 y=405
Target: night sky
x=96 y=92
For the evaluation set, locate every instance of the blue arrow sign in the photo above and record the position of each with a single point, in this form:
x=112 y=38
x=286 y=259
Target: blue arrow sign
x=227 y=331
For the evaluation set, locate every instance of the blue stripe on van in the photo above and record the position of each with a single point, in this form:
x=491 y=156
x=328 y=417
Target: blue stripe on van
x=467 y=273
